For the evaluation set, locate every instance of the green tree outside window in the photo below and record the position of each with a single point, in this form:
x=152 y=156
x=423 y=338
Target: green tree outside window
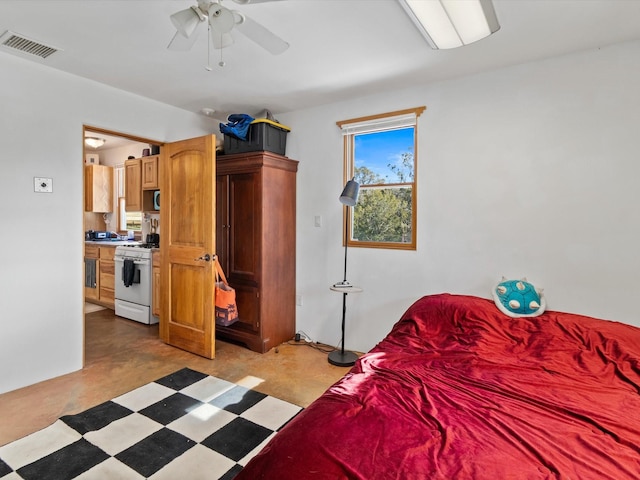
x=380 y=154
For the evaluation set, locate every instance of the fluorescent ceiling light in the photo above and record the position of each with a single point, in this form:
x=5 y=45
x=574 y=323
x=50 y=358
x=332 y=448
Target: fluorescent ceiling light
x=94 y=142
x=452 y=23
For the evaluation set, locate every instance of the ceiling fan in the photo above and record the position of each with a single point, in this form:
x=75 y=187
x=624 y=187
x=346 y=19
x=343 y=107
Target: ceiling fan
x=221 y=21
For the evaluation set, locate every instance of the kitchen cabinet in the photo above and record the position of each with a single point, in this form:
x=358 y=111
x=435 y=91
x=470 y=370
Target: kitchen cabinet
x=256 y=245
x=155 y=295
x=150 y=173
x=150 y=181
x=103 y=293
x=98 y=188
x=142 y=179
x=107 y=276
x=133 y=185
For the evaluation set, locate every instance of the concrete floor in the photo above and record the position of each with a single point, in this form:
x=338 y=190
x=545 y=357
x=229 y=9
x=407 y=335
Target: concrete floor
x=121 y=355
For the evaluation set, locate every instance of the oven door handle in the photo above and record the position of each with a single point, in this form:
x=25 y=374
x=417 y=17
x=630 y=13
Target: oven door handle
x=136 y=262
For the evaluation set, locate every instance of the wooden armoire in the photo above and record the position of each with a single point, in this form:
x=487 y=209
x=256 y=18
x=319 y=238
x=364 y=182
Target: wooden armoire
x=256 y=245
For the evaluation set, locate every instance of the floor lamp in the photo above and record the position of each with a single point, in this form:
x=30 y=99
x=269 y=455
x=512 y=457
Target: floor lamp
x=349 y=198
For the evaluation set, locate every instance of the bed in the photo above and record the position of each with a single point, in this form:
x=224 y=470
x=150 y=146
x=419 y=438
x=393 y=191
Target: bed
x=459 y=390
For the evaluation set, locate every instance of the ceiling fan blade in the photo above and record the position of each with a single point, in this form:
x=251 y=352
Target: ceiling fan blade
x=259 y=34
x=181 y=44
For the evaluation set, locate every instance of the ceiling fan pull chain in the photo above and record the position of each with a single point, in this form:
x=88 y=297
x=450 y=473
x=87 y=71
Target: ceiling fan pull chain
x=208 y=67
x=221 y=62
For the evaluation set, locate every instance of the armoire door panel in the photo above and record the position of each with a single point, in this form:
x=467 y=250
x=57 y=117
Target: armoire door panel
x=248 y=308
x=222 y=221
x=244 y=233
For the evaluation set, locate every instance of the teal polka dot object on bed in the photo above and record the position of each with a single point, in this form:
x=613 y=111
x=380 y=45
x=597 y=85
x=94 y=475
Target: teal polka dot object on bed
x=518 y=298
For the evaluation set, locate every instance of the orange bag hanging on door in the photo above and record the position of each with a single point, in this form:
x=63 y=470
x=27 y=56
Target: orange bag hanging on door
x=225 y=299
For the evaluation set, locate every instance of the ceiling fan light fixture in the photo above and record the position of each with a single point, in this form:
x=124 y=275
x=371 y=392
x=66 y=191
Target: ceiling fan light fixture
x=221 y=40
x=94 y=142
x=221 y=20
x=186 y=21
x=452 y=23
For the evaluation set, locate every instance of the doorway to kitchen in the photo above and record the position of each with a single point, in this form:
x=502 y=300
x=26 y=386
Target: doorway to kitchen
x=107 y=221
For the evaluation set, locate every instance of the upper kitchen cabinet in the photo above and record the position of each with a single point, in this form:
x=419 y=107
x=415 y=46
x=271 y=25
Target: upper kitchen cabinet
x=133 y=185
x=150 y=173
x=98 y=188
x=150 y=182
x=141 y=180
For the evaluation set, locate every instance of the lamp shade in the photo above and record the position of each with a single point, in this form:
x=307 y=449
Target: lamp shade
x=221 y=40
x=349 y=196
x=186 y=21
x=221 y=20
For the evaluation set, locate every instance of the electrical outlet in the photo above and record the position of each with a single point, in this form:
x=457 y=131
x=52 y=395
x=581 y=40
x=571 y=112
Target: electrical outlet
x=42 y=185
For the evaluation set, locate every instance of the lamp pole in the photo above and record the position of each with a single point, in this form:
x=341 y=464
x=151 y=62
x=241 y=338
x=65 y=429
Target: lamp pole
x=348 y=198
x=344 y=282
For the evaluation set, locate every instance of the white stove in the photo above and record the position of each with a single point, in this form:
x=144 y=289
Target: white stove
x=133 y=283
x=133 y=251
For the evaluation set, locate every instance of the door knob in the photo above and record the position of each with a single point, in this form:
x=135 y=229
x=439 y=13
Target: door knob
x=206 y=257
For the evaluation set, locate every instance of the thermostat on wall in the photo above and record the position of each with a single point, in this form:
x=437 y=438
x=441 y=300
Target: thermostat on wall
x=42 y=185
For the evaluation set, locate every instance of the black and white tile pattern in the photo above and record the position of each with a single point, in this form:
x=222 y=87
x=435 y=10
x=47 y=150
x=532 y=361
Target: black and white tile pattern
x=185 y=425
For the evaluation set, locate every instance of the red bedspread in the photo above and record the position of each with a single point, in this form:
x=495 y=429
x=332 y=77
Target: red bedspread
x=458 y=390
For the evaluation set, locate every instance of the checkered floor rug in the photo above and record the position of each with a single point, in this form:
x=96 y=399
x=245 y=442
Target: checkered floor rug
x=185 y=425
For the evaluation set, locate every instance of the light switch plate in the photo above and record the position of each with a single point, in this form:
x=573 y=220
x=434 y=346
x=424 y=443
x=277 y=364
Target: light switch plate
x=42 y=185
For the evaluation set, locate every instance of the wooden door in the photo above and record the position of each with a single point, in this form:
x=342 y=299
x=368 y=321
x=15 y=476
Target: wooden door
x=187 y=245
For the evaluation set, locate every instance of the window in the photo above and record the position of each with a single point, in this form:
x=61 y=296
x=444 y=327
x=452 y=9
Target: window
x=126 y=220
x=380 y=154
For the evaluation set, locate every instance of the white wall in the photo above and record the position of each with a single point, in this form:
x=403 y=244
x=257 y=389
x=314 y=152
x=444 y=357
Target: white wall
x=41 y=280
x=115 y=157
x=526 y=171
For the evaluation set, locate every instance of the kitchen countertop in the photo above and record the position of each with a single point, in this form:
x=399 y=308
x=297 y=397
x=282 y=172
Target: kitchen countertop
x=114 y=243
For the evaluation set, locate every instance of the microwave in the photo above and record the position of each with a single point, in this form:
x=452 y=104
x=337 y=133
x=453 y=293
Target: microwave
x=156 y=200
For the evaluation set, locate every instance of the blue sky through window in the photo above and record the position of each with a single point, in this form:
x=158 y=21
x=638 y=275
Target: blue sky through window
x=379 y=149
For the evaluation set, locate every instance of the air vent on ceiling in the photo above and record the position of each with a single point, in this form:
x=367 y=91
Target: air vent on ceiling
x=15 y=41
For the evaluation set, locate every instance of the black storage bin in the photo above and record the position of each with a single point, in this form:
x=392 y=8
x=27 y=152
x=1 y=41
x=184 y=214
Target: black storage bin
x=263 y=135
